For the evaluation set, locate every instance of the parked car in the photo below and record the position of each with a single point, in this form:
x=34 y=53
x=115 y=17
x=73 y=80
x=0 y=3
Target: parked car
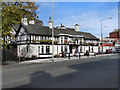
x=113 y=51
x=117 y=51
x=108 y=51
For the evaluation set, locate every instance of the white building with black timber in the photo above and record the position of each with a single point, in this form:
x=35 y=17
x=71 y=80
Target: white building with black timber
x=36 y=40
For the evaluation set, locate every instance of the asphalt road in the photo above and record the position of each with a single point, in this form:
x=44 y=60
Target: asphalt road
x=96 y=72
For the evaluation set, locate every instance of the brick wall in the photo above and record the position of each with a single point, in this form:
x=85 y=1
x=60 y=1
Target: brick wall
x=114 y=35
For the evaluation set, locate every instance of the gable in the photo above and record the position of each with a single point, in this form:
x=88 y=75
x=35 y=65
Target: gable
x=22 y=31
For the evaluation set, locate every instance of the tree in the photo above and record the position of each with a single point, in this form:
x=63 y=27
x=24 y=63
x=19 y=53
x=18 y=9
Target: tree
x=12 y=12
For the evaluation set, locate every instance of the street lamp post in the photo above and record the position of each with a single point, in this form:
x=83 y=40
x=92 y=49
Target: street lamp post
x=102 y=33
x=101 y=37
x=52 y=34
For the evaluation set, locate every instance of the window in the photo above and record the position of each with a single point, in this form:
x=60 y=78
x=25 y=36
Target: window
x=47 y=49
x=38 y=50
x=61 y=48
x=92 y=48
x=46 y=38
x=89 y=48
x=18 y=38
x=61 y=40
x=27 y=37
x=77 y=41
x=80 y=41
x=81 y=49
x=43 y=38
x=65 y=37
x=42 y=49
x=22 y=38
x=37 y=37
x=33 y=39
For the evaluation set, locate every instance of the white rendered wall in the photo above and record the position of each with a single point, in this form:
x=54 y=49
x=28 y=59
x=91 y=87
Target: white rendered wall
x=95 y=49
x=33 y=49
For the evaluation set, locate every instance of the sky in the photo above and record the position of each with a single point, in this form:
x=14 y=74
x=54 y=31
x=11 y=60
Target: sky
x=87 y=14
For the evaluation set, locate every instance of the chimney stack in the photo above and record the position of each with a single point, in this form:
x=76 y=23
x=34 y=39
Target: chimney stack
x=24 y=20
x=50 y=23
x=32 y=21
x=76 y=27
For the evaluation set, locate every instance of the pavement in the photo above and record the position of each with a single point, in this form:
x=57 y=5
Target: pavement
x=93 y=72
x=60 y=59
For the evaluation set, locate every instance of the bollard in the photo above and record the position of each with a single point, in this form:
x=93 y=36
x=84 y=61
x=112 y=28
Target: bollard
x=69 y=55
x=94 y=54
x=79 y=54
x=88 y=54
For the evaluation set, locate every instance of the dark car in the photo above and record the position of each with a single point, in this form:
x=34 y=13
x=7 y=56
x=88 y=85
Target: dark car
x=117 y=51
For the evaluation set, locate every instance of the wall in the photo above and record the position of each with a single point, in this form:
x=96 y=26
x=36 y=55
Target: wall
x=36 y=49
x=10 y=55
x=114 y=35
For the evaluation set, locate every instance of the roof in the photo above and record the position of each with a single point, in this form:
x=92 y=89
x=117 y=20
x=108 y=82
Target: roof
x=44 y=30
x=16 y=26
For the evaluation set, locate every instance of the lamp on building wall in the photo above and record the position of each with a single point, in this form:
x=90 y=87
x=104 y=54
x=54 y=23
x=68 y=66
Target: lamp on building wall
x=102 y=32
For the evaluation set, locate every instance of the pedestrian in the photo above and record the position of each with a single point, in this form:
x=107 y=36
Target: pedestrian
x=87 y=53
x=77 y=52
x=62 y=54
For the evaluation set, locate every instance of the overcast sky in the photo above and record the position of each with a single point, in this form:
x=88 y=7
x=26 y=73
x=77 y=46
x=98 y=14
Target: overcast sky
x=86 y=14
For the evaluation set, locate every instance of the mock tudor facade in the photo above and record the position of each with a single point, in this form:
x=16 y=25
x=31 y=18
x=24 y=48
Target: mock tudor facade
x=36 y=40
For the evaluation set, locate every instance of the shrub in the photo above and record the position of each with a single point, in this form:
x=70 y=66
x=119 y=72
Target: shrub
x=57 y=56
x=69 y=41
x=34 y=56
x=56 y=42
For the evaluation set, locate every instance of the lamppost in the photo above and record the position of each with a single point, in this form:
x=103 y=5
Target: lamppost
x=118 y=37
x=52 y=34
x=102 y=33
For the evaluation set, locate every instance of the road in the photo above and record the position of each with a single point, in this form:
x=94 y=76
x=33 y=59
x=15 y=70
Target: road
x=95 y=72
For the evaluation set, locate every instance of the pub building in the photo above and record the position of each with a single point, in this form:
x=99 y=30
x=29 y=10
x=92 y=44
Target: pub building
x=35 y=40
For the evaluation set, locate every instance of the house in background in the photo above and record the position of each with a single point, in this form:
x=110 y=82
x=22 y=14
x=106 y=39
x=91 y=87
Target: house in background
x=113 y=41
x=36 y=40
x=108 y=43
x=115 y=35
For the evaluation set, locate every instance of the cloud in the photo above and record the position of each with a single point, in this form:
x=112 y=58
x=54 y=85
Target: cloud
x=91 y=22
